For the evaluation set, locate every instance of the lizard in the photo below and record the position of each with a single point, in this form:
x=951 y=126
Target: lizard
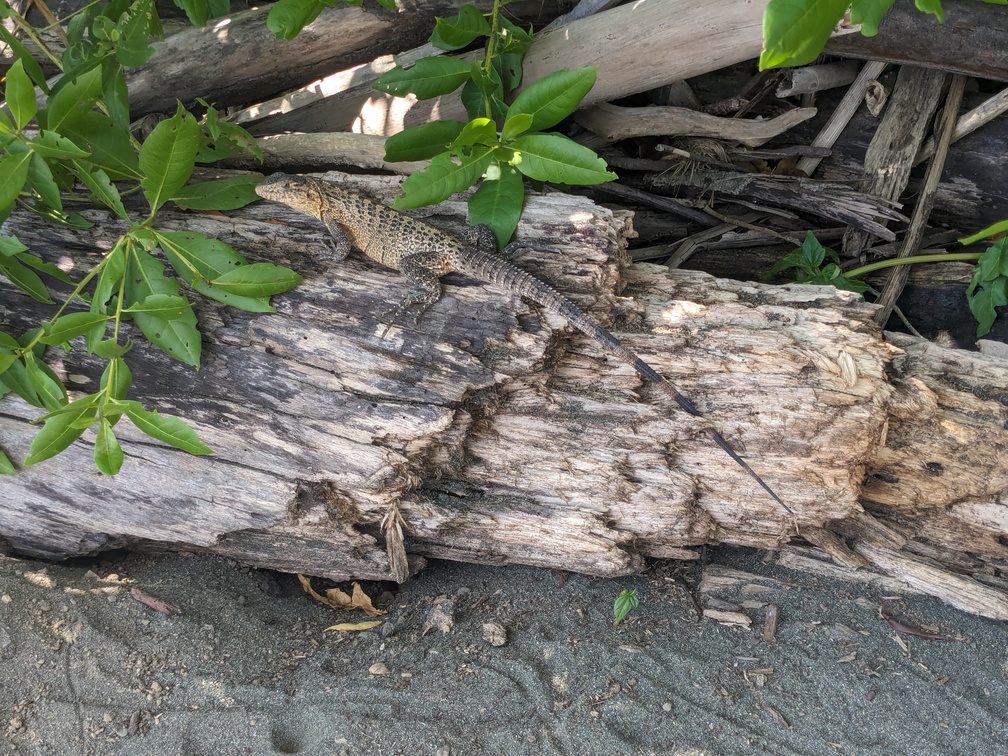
x=424 y=253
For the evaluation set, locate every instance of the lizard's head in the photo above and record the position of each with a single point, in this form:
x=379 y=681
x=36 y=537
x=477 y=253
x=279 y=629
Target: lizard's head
x=298 y=192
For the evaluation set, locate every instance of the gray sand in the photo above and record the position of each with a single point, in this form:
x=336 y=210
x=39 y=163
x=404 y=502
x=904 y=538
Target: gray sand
x=247 y=669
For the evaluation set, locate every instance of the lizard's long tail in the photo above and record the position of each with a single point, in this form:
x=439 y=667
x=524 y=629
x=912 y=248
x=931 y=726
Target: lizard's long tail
x=500 y=272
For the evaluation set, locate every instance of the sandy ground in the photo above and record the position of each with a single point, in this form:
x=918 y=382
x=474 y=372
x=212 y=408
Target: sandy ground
x=247 y=668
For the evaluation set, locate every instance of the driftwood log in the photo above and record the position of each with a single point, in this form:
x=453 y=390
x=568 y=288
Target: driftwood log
x=501 y=438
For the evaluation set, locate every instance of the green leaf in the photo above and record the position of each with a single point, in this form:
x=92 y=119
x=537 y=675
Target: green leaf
x=70 y=326
x=102 y=190
x=25 y=279
x=16 y=379
x=196 y=11
x=287 y=18
x=166 y=306
x=869 y=14
x=427 y=78
x=552 y=157
x=31 y=66
x=168 y=156
x=552 y=98
x=993 y=230
x=49 y=144
x=498 y=204
x=134 y=28
x=6 y=360
x=934 y=7
x=198 y=259
x=10 y=246
x=7 y=128
x=115 y=93
x=108 y=454
x=222 y=139
x=992 y=262
x=422 y=142
x=257 y=280
x=167 y=428
x=440 y=180
x=509 y=69
x=515 y=124
x=179 y=337
x=61 y=429
x=219 y=194
x=109 y=278
x=516 y=40
x=109 y=145
x=461 y=30
x=71 y=99
x=795 y=31
x=40 y=178
x=814 y=252
x=20 y=94
x=42 y=266
x=6 y=467
x=981 y=304
x=13 y=175
x=483 y=90
x=110 y=349
x=625 y=603
x=481 y=131
x=48 y=387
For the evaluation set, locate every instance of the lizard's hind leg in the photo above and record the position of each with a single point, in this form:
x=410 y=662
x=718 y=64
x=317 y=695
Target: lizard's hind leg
x=423 y=271
x=482 y=237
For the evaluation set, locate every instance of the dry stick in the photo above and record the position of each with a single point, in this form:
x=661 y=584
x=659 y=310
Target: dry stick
x=907 y=119
x=809 y=79
x=918 y=223
x=841 y=116
x=613 y=123
x=655 y=200
x=969 y=122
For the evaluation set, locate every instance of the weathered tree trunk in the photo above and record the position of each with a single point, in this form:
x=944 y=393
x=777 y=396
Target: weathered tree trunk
x=501 y=441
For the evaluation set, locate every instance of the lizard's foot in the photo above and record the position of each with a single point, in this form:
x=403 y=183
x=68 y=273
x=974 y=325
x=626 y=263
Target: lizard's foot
x=334 y=253
x=418 y=298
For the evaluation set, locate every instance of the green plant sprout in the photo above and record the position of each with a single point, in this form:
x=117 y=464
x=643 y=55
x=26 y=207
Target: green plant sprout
x=625 y=603
x=501 y=143
x=987 y=290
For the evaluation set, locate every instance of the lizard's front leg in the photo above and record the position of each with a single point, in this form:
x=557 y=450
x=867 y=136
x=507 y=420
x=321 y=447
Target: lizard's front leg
x=340 y=248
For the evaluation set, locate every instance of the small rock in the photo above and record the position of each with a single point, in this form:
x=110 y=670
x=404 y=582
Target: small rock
x=441 y=617
x=378 y=668
x=495 y=634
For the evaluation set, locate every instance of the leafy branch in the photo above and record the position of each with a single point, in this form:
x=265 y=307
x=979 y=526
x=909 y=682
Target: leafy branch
x=77 y=147
x=501 y=142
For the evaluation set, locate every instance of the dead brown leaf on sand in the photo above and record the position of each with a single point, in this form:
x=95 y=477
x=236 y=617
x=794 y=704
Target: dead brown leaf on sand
x=338 y=599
